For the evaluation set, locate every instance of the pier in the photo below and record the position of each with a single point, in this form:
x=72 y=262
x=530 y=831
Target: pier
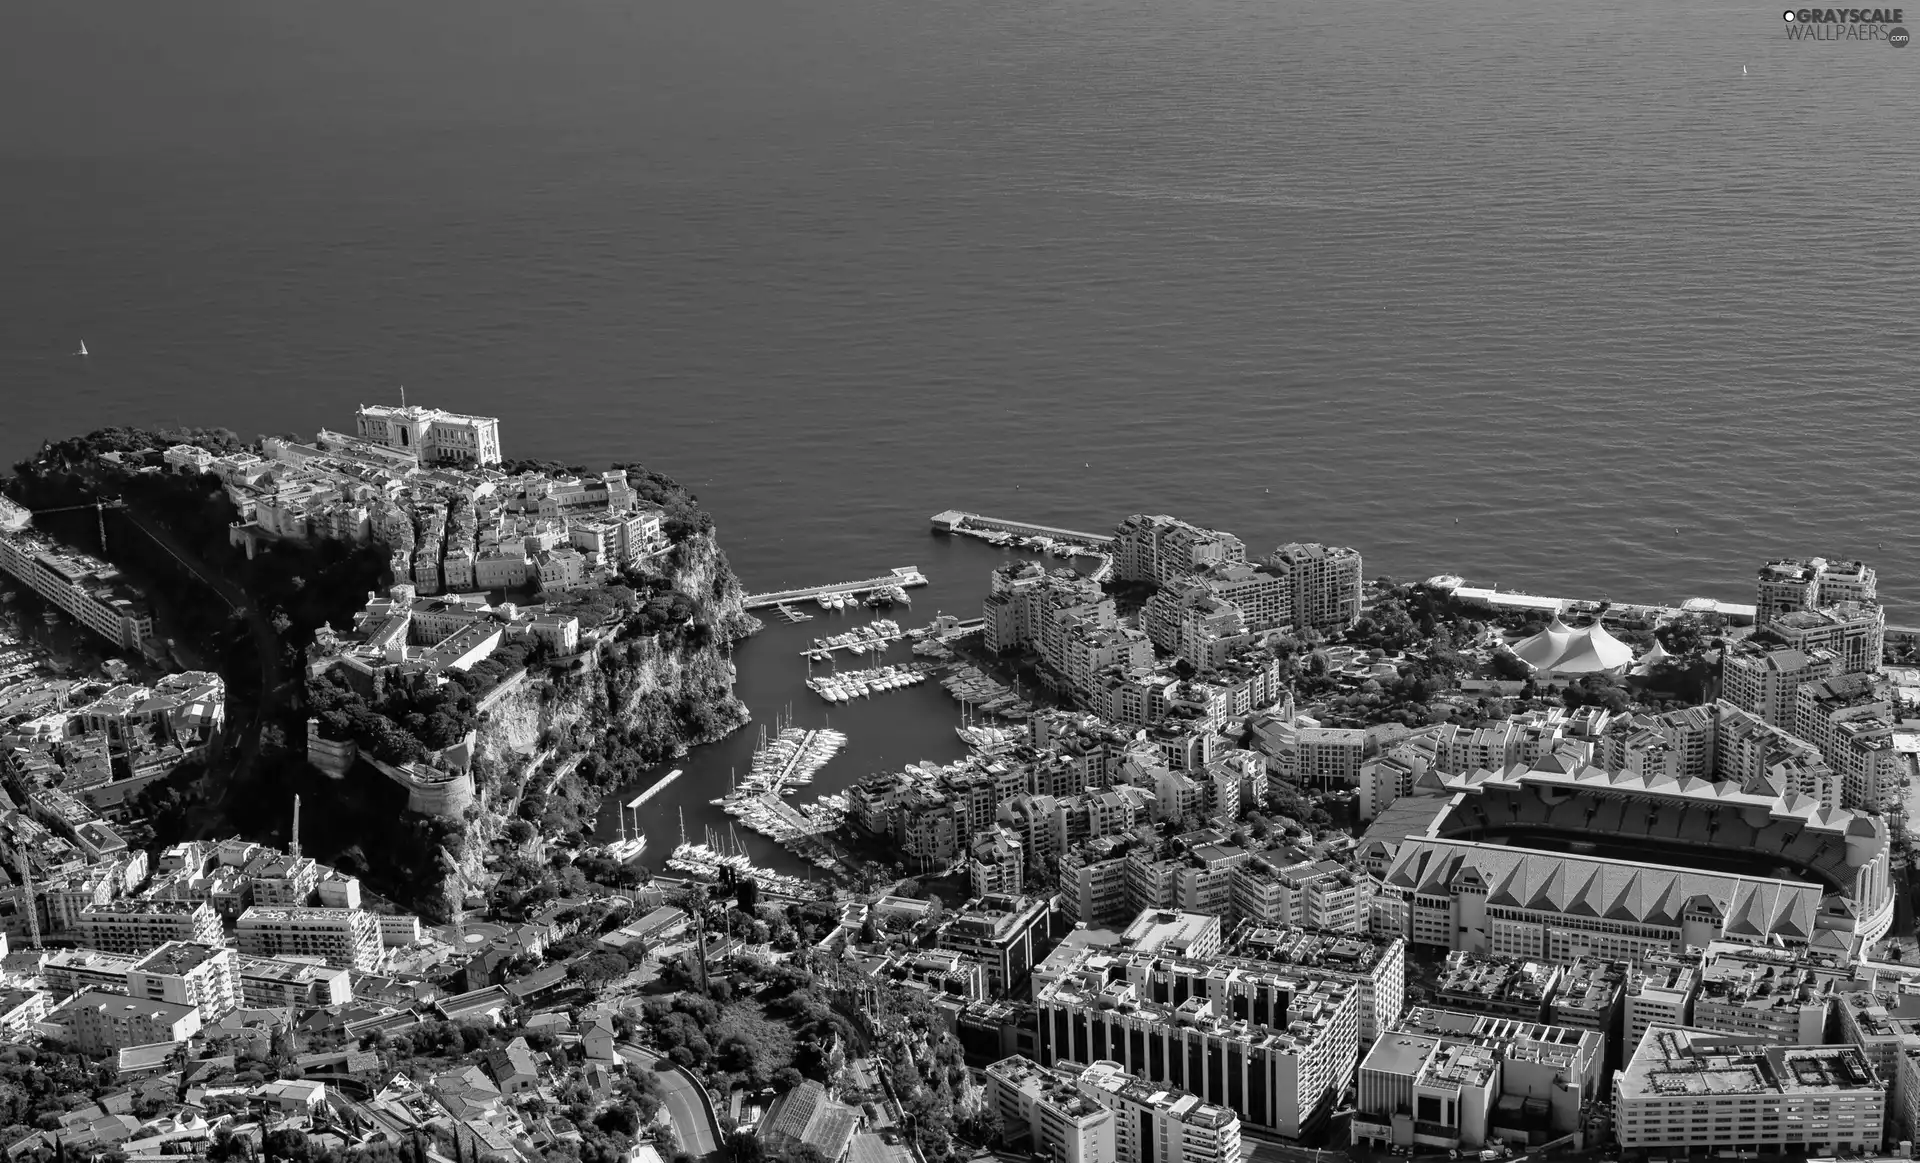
x=954 y=521
x=905 y=577
x=656 y=789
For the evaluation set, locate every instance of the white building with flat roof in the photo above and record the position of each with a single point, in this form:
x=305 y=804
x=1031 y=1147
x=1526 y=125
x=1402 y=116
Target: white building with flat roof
x=1687 y=1090
x=348 y=938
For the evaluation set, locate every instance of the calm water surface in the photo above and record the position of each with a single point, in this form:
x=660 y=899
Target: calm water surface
x=1351 y=272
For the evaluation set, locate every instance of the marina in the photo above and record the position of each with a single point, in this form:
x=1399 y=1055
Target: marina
x=847 y=685
x=844 y=595
x=723 y=854
x=781 y=766
x=875 y=636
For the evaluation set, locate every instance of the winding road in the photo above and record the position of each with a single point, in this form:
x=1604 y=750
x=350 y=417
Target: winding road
x=693 y=1121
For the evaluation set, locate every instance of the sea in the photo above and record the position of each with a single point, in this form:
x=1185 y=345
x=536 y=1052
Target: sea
x=1611 y=299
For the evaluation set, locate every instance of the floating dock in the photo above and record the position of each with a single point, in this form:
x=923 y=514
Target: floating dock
x=954 y=520
x=905 y=577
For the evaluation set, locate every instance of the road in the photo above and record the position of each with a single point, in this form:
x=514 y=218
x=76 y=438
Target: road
x=699 y=1136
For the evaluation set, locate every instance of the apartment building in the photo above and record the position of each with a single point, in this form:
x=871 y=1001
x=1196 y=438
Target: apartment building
x=70 y=971
x=1660 y=991
x=1850 y=720
x=1273 y=1045
x=1764 y=678
x=1330 y=757
x=188 y=973
x=1684 y=1090
x=1377 y=969
x=996 y=862
x=90 y=591
x=100 y=1023
x=139 y=926
x=1326 y=584
x=1787 y=586
x=1161 y=548
x=1154 y=1123
x=268 y=982
x=1044 y=1110
x=1854 y=631
x=347 y=938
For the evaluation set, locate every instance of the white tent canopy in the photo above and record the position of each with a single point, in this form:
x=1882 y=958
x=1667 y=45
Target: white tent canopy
x=1563 y=650
x=1652 y=658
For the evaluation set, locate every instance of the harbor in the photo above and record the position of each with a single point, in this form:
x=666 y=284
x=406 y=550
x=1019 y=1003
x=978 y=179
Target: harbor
x=843 y=595
x=908 y=725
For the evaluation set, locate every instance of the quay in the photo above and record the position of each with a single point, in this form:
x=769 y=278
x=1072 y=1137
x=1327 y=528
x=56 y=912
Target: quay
x=1493 y=598
x=904 y=576
x=955 y=521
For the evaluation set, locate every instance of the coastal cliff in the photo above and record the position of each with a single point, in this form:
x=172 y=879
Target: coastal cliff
x=651 y=674
x=551 y=748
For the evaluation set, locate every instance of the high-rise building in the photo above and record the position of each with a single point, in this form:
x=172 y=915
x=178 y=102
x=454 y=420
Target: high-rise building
x=1856 y=632
x=1850 y=719
x=1326 y=584
x=1789 y=585
x=187 y=973
x=1764 y=678
x=1161 y=548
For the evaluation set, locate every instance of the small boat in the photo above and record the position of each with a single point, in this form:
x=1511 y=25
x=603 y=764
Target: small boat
x=826 y=601
x=83 y=348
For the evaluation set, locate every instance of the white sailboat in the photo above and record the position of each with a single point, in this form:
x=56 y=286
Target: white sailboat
x=83 y=348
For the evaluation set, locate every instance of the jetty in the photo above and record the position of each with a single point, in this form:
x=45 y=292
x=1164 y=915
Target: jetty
x=903 y=577
x=655 y=790
x=957 y=521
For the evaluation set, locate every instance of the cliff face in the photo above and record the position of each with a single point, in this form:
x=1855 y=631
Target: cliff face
x=630 y=703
